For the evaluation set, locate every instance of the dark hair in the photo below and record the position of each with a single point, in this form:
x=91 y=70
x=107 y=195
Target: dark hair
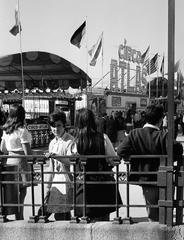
x=87 y=138
x=16 y=118
x=154 y=113
x=57 y=115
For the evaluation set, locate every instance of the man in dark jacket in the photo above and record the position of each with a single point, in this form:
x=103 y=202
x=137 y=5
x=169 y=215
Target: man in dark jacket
x=149 y=140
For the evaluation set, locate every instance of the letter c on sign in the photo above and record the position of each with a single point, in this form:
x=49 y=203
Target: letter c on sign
x=121 y=51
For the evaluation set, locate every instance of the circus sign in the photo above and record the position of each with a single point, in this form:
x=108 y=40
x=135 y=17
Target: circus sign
x=128 y=70
x=129 y=54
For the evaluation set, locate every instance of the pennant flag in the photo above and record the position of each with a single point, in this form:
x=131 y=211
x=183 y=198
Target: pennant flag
x=78 y=35
x=15 y=29
x=145 y=54
x=95 y=51
x=125 y=41
x=152 y=65
x=162 y=67
x=176 y=66
x=180 y=85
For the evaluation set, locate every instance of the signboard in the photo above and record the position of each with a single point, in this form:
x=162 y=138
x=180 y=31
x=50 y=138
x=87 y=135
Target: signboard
x=32 y=127
x=143 y=102
x=129 y=70
x=127 y=53
x=116 y=101
x=61 y=102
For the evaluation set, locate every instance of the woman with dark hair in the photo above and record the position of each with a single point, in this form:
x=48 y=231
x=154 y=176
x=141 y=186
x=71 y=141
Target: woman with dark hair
x=59 y=194
x=16 y=140
x=90 y=142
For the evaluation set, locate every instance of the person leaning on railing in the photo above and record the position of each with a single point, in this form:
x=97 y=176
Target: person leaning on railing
x=59 y=195
x=16 y=140
x=90 y=142
x=149 y=140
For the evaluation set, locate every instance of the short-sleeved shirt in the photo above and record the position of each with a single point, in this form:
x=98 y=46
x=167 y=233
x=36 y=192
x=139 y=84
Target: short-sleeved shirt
x=60 y=146
x=13 y=143
x=15 y=140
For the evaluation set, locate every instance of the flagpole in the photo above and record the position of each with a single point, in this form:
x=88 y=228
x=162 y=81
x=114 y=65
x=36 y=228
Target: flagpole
x=21 y=57
x=149 y=77
x=179 y=82
x=86 y=53
x=157 y=80
x=102 y=58
x=163 y=75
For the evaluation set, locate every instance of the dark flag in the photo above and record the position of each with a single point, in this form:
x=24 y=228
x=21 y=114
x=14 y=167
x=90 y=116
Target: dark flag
x=15 y=29
x=78 y=35
x=162 y=67
x=152 y=65
x=144 y=55
x=177 y=66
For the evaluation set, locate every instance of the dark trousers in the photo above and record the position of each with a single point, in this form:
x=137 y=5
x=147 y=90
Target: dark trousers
x=151 y=195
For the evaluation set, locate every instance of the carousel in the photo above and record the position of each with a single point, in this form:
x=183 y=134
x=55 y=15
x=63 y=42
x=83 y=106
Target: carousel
x=42 y=83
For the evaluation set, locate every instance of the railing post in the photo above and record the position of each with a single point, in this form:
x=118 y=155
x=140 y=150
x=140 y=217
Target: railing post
x=117 y=219
x=84 y=218
x=43 y=218
x=2 y=216
x=179 y=182
x=33 y=218
x=170 y=195
x=162 y=184
x=127 y=219
x=74 y=218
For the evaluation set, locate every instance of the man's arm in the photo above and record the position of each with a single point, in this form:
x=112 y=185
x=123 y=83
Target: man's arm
x=124 y=150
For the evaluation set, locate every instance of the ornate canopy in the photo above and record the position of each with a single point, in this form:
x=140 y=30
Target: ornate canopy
x=41 y=70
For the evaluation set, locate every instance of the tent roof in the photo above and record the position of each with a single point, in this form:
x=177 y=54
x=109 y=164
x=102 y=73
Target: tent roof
x=41 y=70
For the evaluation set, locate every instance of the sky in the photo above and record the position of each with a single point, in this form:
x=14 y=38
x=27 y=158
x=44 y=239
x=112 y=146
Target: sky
x=47 y=25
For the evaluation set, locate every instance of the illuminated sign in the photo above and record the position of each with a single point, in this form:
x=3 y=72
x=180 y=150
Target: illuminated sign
x=129 y=71
x=128 y=54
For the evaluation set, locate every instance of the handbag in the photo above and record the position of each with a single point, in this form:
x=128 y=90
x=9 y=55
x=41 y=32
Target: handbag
x=42 y=211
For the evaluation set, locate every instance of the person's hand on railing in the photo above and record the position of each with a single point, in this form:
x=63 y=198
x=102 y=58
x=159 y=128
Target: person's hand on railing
x=49 y=155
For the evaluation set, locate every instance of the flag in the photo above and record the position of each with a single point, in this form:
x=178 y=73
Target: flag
x=15 y=29
x=162 y=67
x=78 y=35
x=95 y=51
x=180 y=85
x=144 y=55
x=152 y=65
x=176 y=66
x=125 y=41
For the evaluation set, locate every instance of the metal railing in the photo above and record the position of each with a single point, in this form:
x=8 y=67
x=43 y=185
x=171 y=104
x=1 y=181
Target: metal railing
x=169 y=201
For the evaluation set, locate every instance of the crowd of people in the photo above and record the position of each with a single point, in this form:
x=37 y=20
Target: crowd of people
x=145 y=134
x=130 y=119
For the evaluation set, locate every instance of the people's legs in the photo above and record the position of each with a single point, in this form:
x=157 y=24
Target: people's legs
x=151 y=195
x=62 y=216
x=22 y=195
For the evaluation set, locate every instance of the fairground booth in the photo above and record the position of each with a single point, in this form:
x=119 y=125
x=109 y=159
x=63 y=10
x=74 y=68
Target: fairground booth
x=42 y=83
